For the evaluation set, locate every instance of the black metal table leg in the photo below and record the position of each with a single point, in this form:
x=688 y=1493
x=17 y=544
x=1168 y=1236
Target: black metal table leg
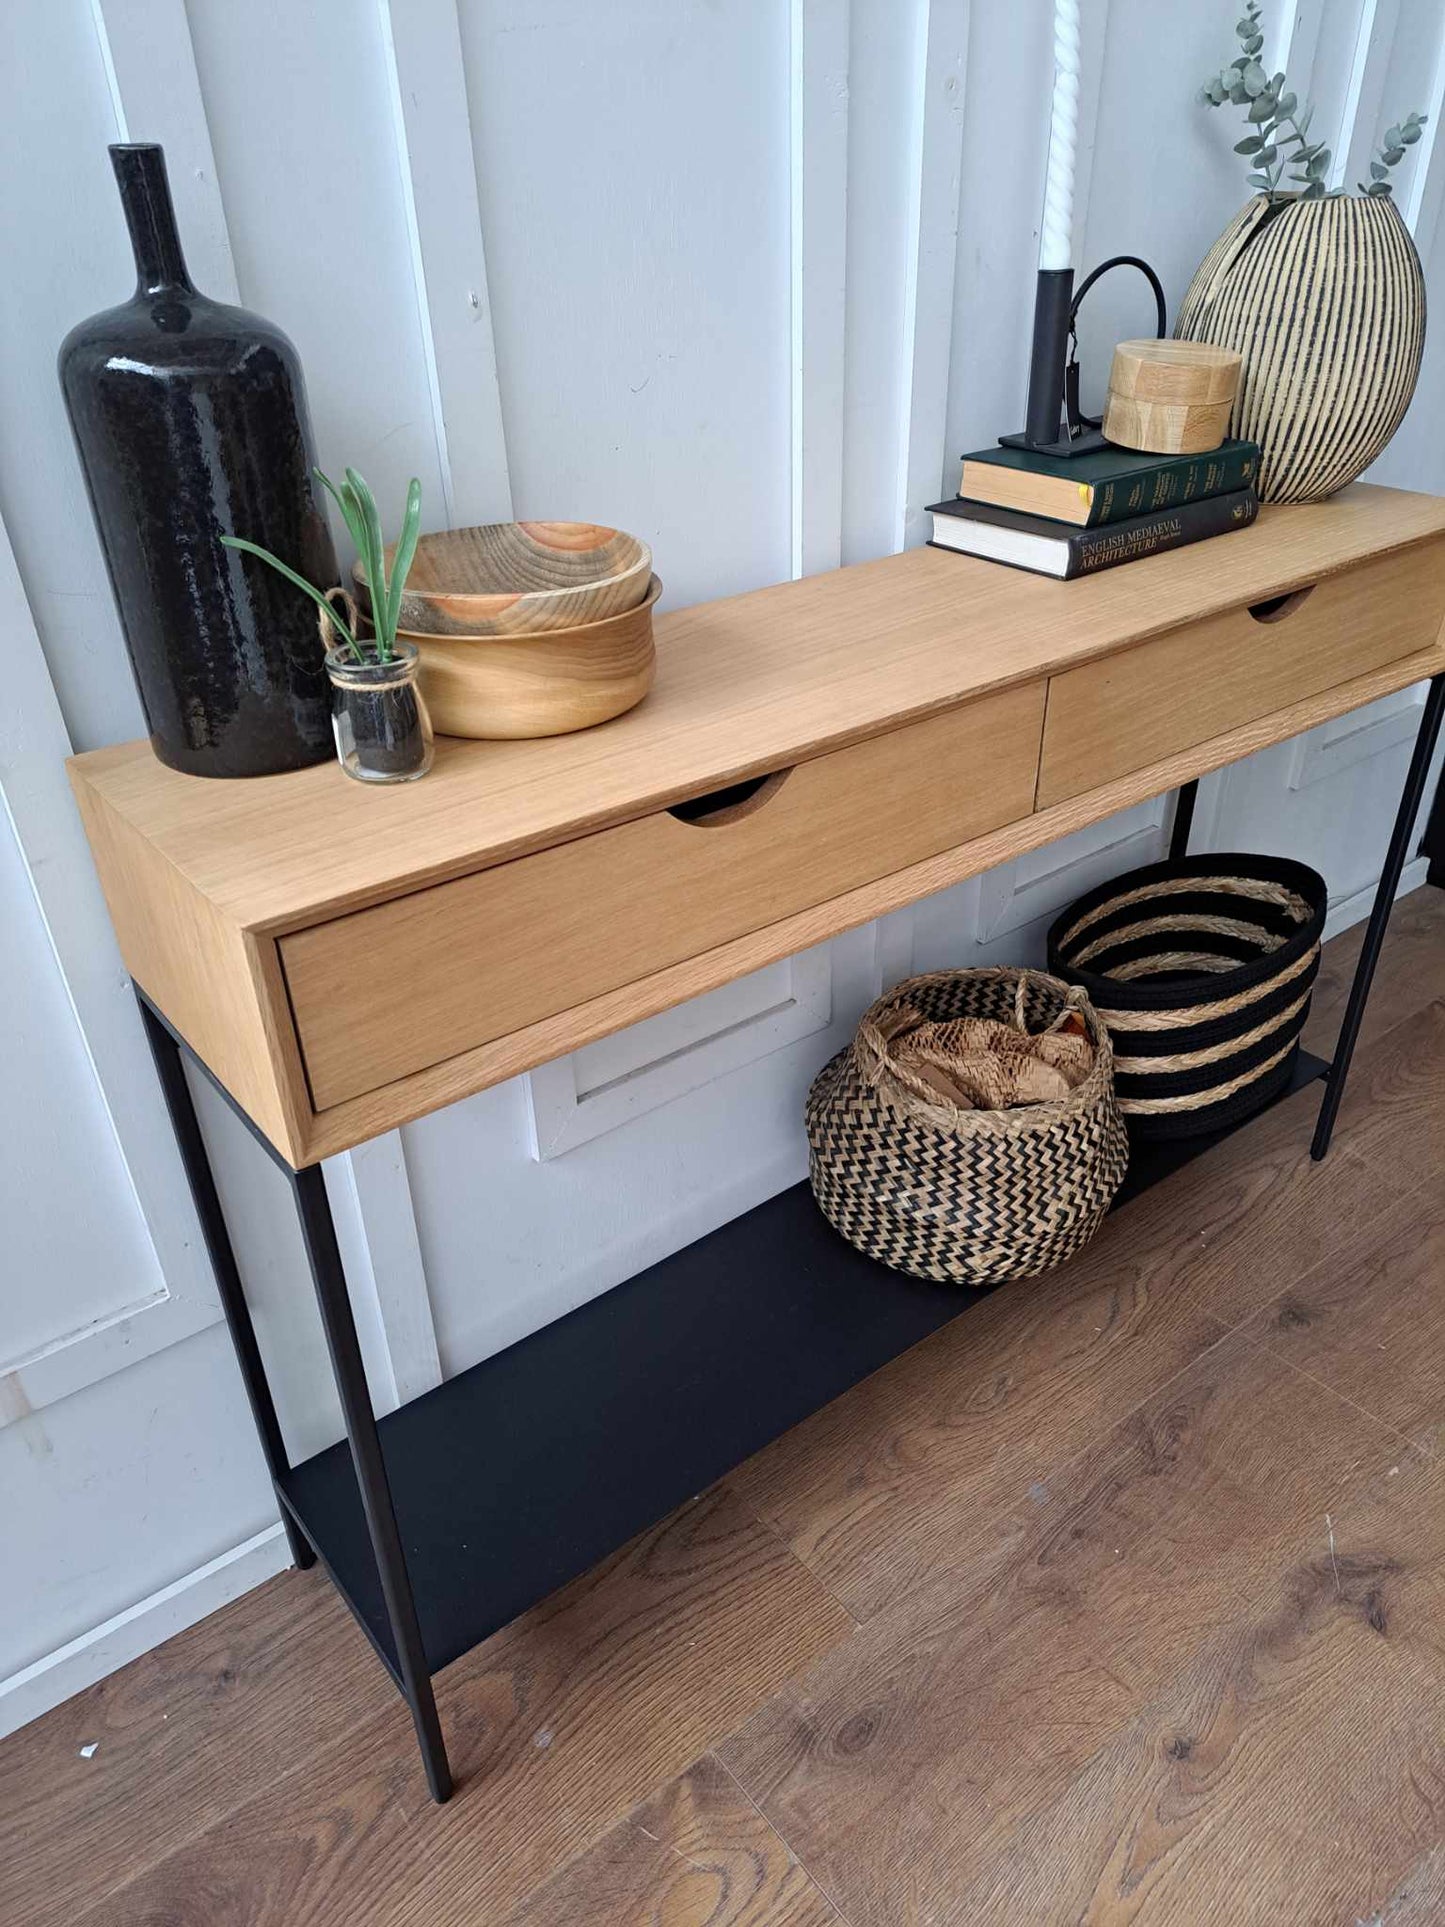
x=1184 y=800
x=1395 y=860
x=324 y=1256
x=184 y=1122
x=1434 y=847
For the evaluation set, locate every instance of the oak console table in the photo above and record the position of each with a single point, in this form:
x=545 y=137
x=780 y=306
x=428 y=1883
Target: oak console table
x=339 y=960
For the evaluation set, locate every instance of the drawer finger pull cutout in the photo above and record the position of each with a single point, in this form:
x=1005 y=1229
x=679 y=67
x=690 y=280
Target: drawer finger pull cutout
x=732 y=804
x=1276 y=607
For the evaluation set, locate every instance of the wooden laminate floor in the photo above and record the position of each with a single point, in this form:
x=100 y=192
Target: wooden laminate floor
x=1122 y=1599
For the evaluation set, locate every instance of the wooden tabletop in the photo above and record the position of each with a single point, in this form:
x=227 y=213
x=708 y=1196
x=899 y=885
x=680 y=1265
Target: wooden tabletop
x=745 y=685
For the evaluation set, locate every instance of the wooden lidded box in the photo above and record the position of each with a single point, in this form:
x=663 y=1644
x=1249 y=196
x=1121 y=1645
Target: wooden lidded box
x=1171 y=397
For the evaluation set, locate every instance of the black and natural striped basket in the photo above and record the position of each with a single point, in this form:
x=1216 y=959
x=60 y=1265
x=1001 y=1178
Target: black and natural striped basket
x=1202 y=968
x=964 y=1197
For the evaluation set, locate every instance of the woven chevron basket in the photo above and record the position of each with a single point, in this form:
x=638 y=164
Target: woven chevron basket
x=1202 y=967
x=964 y=1197
x=1325 y=300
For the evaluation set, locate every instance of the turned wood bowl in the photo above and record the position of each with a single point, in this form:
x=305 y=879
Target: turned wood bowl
x=543 y=684
x=516 y=578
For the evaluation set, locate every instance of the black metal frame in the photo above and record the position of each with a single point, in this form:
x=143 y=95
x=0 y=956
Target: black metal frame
x=1434 y=845
x=318 y=1233
x=406 y=1660
x=1396 y=858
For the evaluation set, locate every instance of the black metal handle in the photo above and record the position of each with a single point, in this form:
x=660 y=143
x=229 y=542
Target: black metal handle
x=1077 y=420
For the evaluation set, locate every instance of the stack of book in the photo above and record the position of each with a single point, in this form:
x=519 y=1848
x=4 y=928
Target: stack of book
x=1073 y=516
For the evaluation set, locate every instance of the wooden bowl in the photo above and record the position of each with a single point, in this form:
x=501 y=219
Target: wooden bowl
x=539 y=685
x=1171 y=397
x=516 y=578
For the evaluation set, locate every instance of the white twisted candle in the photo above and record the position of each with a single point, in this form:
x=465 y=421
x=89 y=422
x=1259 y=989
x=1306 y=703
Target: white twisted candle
x=1055 y=246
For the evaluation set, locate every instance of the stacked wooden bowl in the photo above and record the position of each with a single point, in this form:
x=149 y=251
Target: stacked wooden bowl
x=528 y=628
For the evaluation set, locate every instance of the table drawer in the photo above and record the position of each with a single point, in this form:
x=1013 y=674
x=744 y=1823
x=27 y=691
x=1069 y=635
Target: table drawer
x=391 y=990
x=1110 y=717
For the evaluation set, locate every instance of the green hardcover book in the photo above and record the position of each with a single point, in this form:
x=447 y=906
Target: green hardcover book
x=1111 y=485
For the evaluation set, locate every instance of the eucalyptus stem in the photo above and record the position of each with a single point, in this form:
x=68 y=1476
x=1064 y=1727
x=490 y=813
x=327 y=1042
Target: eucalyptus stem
x=1276 y=124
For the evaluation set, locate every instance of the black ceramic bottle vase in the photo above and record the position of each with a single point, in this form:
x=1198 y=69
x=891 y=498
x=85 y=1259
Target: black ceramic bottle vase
x=190 y=418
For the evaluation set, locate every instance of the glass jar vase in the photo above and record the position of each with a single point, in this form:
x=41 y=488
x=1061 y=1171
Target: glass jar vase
x=379 y=716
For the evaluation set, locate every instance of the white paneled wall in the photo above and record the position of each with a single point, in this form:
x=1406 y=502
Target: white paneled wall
x=745 y=278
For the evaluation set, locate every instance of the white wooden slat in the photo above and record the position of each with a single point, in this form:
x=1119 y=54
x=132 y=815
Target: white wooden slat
x=1328 y=45
x=1363 y=115
x=376 y=1228
x=1289 y=37
x=158 y=1310
x=818 y=250
x=1094 y=25
x=1421 y=202
x=422 y=43
x=935 y=174
x=150 y=66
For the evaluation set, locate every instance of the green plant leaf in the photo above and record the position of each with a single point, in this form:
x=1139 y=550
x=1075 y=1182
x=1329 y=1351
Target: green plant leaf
x=1251 y=144
x=348 y=513
x=375 y=556
x=405 y=550
x=1378 y=170
x=356 y=524
x=1255 y=79
x=1287 y=102
x=275 y=562
x=1261 y=109
x=1259 y=180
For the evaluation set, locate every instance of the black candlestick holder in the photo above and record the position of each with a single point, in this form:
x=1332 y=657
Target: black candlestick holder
x=1054 y=424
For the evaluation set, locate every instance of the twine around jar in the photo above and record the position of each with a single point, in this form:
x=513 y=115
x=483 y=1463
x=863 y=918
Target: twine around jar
x=361 y=672
x=331 y=637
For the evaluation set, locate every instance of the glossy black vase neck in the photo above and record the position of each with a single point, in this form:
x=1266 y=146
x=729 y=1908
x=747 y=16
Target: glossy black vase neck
x=145 y=195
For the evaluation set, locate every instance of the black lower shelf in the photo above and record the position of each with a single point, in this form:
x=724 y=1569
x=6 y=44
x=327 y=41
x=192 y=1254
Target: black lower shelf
x=1148 y=1163
x=527 y=1469
x=519 y=1474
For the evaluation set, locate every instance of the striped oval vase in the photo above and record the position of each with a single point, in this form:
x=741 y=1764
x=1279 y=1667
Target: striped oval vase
x=1325 y=300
